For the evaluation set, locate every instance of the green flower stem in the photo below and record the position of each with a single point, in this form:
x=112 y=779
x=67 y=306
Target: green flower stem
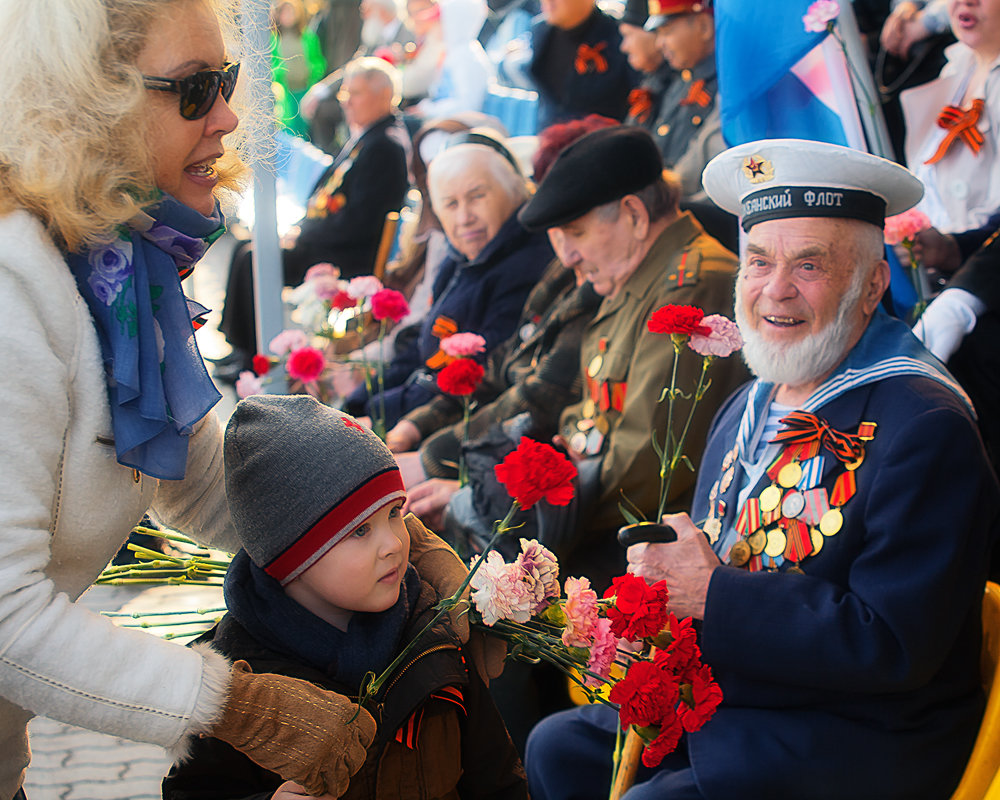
x=138 y=614
x=665 y=454
x=678 y=451
x=616 y=756
x=463 y=469
x=443 y=607
x=379 y=423
x=364 y=356
x=918 y=285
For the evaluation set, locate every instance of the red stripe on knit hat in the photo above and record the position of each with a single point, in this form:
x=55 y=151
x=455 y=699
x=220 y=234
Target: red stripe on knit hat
x=336 y=524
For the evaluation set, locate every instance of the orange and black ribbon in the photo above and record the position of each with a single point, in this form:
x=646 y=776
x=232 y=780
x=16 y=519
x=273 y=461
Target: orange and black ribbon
x=802 y=427
x=961 y=125
x=640 y=104
x=442 y=329
x=588 y=56
x=697 y=95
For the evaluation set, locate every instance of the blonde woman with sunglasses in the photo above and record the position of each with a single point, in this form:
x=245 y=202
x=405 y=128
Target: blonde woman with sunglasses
x=115 y=144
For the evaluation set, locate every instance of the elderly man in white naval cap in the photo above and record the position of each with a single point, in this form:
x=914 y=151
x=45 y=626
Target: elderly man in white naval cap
x=837 y=549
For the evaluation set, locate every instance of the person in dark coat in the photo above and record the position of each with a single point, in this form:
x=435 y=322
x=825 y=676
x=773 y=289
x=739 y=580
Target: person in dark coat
x=845 y=513
x=576 y=64
x=492 y=265
x=346 y=211
x=325 y=593
x=644 y=56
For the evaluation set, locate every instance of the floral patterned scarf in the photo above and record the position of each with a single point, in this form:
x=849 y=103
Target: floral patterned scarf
x=158 y=386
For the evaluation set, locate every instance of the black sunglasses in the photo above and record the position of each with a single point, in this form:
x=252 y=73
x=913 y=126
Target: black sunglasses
x=199 y=91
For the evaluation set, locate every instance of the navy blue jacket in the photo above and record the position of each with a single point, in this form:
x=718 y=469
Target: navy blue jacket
x=484 y=296
x=593 y=91
x=860 y=677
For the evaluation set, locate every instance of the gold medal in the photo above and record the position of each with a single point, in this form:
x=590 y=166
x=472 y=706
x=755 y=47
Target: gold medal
x=757 y=540
x=817 y=540
x=595 y=365
x=831 y=522
x=794 y=570
x=601 y=423
x=589 y=407
x=790 y=475
x=770 y=498
x=776 y=541
x=739 y=554
x=713 y=527
x=855 y=464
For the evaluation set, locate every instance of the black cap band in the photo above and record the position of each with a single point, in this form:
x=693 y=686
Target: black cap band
x=780 y=202
x=471 y=137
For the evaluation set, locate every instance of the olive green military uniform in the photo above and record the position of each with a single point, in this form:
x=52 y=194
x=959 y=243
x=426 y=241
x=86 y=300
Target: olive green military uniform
x=626 y=369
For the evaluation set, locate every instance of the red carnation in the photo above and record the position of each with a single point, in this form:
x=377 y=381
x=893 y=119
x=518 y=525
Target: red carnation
x=342 y=301
x=639 y=610
x=460 y=377
x=645 y=696
x=682 y=655
x=664 y=744
x=706 y=696
x=389 y=304
x=683 y=320
x=534 y=471
x=261 y=364
x=306 y=364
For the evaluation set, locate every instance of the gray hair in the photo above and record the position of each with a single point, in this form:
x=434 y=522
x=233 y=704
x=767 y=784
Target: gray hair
x=454 y=160
x=378 y=73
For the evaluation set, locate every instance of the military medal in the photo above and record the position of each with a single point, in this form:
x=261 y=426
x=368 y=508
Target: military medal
x=594 y=367
x=792 y=517
x=589 y=407
x=713 y=527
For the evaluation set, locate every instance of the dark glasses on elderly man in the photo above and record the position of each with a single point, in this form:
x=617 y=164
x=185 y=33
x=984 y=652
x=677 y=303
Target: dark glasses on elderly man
x=199 y=91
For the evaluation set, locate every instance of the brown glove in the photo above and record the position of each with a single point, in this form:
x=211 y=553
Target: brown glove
x=441 y=567
x=296 y=729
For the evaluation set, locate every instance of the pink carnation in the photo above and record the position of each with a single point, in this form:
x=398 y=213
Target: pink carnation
x=499 y=591
x=581 y=613
x=324 y=280
x=602 y=652
x=460 y=345
x=905 y=227
x=541 y=573
x=363 y=286
x=820 y=15
x=306 y=364
x=288 y=340
x=248 y=384
x=723 y=340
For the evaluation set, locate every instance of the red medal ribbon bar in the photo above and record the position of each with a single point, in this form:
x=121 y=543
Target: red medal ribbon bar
x=798 y=543
x=843 y=489
x=866 y=431
x=618 y=389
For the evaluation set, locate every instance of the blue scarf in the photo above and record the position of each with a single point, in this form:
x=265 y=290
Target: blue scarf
x=274 y=619
x=158 y=386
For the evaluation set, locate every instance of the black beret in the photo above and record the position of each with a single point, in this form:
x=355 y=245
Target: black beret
x=599 y=167
x=636 y=13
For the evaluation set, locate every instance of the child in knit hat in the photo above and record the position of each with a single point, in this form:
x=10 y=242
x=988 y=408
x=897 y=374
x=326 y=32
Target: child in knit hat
x=322 y=589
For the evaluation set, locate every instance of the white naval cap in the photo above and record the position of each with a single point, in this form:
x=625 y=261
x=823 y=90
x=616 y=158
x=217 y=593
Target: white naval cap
x=777 y=178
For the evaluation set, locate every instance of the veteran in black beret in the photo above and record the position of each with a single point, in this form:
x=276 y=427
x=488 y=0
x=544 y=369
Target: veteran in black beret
x=614 y=214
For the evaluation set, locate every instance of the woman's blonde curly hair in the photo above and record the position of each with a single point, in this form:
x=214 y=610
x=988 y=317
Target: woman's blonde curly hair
x=73 y=146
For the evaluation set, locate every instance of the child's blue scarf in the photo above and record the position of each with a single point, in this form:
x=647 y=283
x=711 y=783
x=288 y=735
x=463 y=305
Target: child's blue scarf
x=158 y=386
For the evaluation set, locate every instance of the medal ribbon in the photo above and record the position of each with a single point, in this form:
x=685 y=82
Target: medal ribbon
x=961 y=125
x=805 y=427
x=698 y=96
x=640 y=104
x=587 y=55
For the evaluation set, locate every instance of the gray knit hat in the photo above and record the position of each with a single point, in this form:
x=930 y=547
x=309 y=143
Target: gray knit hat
x=300 y=476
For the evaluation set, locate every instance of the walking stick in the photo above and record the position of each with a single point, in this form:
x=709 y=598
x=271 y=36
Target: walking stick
x=628 y=762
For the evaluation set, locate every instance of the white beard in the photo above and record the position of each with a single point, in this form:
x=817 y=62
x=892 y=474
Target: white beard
x=807 y=360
